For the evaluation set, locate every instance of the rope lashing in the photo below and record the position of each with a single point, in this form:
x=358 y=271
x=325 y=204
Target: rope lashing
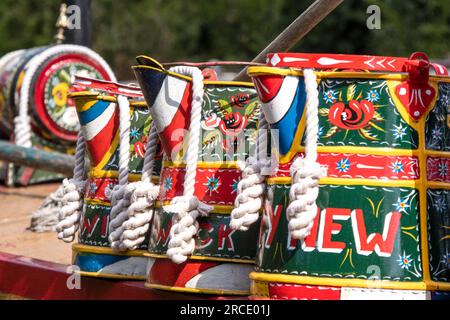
x=72 y=196
x=142 y=199
x=306 y=172
x=121 y=193
x=187 y=208
x=250 y=189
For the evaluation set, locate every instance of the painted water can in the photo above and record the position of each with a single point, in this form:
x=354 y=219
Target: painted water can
x=35 y=110
x=116 y=159
x=376 y=216
x=206 y=126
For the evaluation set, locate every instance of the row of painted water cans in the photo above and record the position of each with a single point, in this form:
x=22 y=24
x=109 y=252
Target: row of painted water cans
x=326 y=177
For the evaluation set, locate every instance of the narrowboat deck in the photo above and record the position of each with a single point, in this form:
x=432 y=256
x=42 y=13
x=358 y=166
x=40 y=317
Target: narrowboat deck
x=34 y=265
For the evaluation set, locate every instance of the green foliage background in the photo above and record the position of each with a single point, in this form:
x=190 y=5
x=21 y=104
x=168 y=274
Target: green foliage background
x=195 y=30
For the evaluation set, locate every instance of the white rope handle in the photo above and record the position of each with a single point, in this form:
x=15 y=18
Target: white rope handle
x=187 y=208
x=306 y=172
x=142 y=199
x=121 y=193
x=250 y=189
x=73 y=196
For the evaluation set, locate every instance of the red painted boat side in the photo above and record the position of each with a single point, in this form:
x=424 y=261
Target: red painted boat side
x=43 y=280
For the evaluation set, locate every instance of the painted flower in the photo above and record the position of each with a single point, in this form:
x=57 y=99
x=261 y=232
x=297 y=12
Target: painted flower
x=134 y=133
x=373 y=96
x=168 y=182
x=397 y=167
x=404 y=261
x=320 y=132
x=401 y=205
x=437 y=133
x=234 y=186
x=212 y=184
x=92 y=188
x=399 y=132
x=59 y=93
x=343 y=165
x=440 y=205
x=330 y=96
x=108 y=190
x=442 y=169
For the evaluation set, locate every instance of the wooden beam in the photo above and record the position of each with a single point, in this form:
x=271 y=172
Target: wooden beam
x=35 y=158
x=295 y=31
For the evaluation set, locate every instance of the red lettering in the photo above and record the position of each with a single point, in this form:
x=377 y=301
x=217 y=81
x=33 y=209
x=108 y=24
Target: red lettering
x=205 y=226
x=383 y=244
x=328 y=228
x=309 y=243
x=273 y=220
x=225 y=233
x=105 y=222
x=90 y=225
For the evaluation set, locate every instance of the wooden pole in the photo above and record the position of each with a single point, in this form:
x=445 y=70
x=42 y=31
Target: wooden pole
x=35 y=158
x=83 y=35
x=295 y=31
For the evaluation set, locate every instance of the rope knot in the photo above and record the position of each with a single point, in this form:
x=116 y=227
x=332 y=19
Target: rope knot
x=186 y=210
x=306 y=172
x=72 y=206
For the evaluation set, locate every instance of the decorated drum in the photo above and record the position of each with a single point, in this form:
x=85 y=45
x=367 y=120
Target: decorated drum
x=383 y=210
x=222 y=258
x=35 y=110
x=99 y=119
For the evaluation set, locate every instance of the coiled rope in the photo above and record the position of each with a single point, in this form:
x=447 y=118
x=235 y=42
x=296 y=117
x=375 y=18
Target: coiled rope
x=187 y=208
x=250 y=189
x=306 y=172
x=73 y=196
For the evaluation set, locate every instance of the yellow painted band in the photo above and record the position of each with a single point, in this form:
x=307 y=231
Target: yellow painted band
x=96 y=96
x=254 y=71
x=202 y=258
x=109 y=275
x=438 y=185
x=96 y=202
x=199 y=291
x=82 y=248
x=104 y=174
x=206 y=82
x=352 y=182
x=219 y=209
x=360 y=283
x=367 y=151
x=203 y=165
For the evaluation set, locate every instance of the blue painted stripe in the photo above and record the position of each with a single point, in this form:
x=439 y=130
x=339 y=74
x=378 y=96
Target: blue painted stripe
x=93 y=112
x=287 y=126
x=95 y=262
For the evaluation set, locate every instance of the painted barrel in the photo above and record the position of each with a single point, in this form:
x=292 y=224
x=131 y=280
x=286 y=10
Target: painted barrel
x=223 y=258
x=383 y=218
x=36 y=83
x=99 y=119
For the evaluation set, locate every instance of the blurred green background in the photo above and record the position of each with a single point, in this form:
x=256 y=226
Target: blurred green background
x=196 y=30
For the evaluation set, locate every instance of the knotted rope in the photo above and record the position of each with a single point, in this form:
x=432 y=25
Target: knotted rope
x=72 y=196
x=250 y=189
x=142 y=198
x=306 y=172
x=187 y=208
x=121 y=193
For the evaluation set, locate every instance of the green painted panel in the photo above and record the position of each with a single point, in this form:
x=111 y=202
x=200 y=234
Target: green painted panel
x=343 y=244
x=215 y=237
